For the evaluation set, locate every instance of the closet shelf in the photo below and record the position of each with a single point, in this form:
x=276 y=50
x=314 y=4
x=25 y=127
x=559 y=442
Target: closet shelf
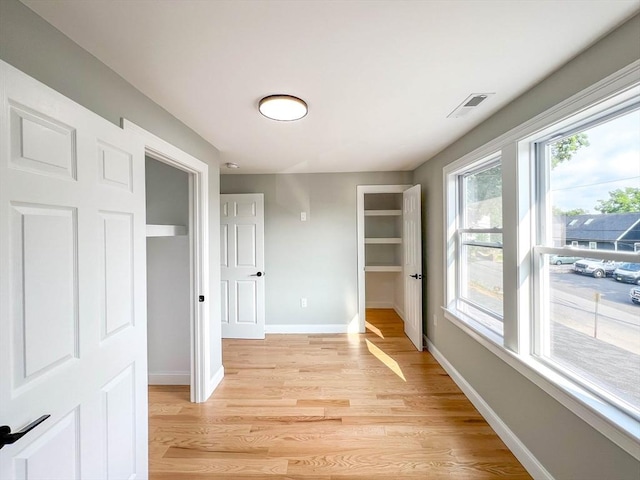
x=371 y=241
x=382 y=213
x=383 y=268
x=166 y=230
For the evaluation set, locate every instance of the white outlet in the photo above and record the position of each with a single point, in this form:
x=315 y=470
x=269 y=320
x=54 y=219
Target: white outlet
x=303 y=216
x=303 y=302
x=435 y=320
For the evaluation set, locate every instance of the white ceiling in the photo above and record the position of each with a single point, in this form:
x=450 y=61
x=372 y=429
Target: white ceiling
x=380 y=77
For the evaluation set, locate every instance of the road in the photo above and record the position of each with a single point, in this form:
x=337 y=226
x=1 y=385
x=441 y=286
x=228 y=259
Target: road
x=604 y=347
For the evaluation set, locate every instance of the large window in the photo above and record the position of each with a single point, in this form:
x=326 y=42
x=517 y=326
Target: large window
x=478 y=244
x=588 y=184
x=542 y=256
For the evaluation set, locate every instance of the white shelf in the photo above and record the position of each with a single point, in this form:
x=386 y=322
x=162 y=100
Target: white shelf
x=166 y=230
x=372 y=241
x=383 y=268
x=382 y=213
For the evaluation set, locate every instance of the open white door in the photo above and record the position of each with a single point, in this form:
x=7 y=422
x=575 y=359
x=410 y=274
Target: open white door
x=412 y=265
x=72 y=289
x=242 y=265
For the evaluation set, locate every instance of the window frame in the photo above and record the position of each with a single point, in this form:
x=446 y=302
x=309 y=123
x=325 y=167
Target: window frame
x=522 y=265
x=455 y=180
x=590 y=118
x=462 y=228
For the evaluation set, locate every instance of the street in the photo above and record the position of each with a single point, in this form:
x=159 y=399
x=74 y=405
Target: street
x=596 y=336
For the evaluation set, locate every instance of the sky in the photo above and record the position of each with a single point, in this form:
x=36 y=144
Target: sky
x=611 y=161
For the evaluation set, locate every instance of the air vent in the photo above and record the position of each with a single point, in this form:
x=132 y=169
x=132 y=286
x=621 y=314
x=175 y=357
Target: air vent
x=470 y=103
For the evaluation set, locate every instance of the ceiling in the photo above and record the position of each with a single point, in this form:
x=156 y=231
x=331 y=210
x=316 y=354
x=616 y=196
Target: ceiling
x=380 y=77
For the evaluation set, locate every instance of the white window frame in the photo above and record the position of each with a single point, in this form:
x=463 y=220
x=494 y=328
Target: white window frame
x=454 y=179
x=522 y=257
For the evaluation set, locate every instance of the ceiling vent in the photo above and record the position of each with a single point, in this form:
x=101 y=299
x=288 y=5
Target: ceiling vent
x=470 y=103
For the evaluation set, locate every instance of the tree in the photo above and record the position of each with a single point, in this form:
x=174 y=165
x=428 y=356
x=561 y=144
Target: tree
x=563 y=150
x=569 y=213
x=621 y=201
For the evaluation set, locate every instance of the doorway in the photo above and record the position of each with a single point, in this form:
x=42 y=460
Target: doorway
x=205 y=371
x=169 y=273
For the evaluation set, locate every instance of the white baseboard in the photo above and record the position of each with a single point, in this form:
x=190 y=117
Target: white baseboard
x=399 y=311
x=181 y=378
x=306 y=329
x=522 y=453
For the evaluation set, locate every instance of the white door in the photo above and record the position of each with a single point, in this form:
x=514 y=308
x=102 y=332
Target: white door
x=412 y=265
x=242 y=265
x=72 y=289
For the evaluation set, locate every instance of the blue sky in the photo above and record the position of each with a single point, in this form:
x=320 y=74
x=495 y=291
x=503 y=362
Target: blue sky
x=611 y=161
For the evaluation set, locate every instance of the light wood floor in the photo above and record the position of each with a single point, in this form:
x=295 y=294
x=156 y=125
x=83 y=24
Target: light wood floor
x=326 y=407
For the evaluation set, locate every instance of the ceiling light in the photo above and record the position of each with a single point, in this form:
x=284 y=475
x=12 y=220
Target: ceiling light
x=231 y=165
x=283 y=107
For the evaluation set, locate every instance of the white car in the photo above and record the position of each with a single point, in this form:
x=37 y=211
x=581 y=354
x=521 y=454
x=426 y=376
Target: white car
x=634 y=294
x=595 y=267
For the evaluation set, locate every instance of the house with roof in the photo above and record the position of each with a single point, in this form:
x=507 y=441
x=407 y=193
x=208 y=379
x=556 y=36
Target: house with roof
x=612 y=231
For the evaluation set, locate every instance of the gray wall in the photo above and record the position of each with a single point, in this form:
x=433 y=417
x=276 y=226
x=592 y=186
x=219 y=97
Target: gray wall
x=32 y=45
x=315 y=259
x=566 y=446
x=168 y=283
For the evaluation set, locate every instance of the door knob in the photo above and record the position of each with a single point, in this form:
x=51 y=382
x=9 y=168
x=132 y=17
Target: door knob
x=7 y=438
x=417 y=276
x=259 y=274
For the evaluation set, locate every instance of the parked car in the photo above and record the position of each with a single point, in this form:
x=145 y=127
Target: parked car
x=628 y=272
x=595 y=267
x=634 y=293
x=563 y=260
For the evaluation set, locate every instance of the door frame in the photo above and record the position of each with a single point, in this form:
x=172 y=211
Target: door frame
x=200 y=326
x=361 y=191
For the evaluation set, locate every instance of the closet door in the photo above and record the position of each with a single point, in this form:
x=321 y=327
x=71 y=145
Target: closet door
x=72 y=290
x=412 y=265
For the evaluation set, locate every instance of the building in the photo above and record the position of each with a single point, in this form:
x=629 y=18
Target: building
x=614 y=231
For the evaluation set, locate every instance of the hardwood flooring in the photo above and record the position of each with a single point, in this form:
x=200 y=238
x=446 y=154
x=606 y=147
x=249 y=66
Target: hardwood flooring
x=326 y=407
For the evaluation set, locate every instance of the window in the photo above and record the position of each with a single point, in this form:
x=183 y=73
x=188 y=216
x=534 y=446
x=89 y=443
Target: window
x=587 y=328
x=565 y=185
x=478 y=243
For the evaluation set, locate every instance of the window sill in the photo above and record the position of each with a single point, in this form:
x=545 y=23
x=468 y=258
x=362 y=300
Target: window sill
x=616 y=425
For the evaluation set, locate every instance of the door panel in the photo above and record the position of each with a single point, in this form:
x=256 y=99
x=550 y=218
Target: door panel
x=119 y=425
x=45 y=286
x=72 y=309
x=412 y=265
x=58 y=447
x=116 y=250
x=242 y=265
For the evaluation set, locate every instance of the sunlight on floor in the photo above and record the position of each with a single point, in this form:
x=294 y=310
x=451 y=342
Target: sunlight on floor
x=373 y=329
x=386 y=359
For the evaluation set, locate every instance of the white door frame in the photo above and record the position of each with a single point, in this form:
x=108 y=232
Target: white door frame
x=361 y=191
x=158 y=149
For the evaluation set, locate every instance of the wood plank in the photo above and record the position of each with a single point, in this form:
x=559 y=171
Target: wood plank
x=326 y=407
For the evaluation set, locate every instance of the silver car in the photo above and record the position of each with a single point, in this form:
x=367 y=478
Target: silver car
x=628 y=272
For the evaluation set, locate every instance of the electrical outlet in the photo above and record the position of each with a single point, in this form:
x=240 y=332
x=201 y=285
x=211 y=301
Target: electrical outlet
x=435 y=320
x=303 y=216
x=303 y=302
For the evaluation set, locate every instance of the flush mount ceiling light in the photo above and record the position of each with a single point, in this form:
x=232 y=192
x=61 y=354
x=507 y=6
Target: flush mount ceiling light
x=284 y=108
x=231 y=165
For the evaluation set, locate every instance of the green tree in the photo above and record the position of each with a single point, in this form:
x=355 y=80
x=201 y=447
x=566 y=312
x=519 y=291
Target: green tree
x=569 y=213
x=621 y=201
x=563 y=150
